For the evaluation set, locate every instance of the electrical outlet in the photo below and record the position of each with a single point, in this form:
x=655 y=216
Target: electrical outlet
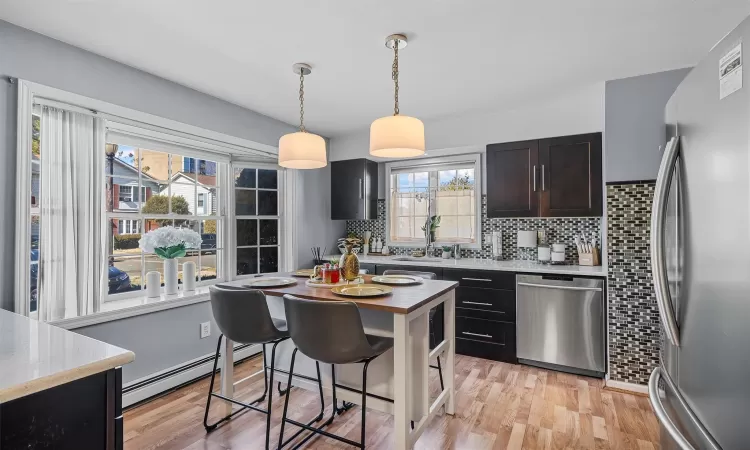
x=205 y=330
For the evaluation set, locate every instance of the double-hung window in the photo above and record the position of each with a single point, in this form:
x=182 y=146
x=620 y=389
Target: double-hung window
x=257 y=219
x=443 y=191
x=170 y=195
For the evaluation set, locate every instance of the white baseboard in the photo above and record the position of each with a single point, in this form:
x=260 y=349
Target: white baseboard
x=624 y=386
x=177 y=379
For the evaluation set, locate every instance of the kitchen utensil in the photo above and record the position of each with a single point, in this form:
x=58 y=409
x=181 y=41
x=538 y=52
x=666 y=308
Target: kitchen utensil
x=401 y=280
x=269 y=282
x=362 y=290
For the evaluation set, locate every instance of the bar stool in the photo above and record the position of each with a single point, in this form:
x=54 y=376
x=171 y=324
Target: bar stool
x=426 y=276
x=242 y=315
x=330 y=333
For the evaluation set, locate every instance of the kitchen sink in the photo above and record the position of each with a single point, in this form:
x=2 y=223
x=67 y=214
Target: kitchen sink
x=420 y=259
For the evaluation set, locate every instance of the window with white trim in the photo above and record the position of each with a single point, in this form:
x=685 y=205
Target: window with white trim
x=446 y=190
x=257 y=220
x=169 y=197
x=155 y=173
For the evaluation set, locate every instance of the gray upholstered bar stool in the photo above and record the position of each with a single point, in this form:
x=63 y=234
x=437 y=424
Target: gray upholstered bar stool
x=426 y=276
x=242 y=315
x=330 y=333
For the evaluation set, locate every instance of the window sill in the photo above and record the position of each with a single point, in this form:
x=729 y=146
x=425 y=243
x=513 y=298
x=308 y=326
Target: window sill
x=134 y=306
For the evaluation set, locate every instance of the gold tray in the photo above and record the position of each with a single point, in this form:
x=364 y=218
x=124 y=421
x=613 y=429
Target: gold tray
x=307 y=273
x=362 y=290
x=397 y=280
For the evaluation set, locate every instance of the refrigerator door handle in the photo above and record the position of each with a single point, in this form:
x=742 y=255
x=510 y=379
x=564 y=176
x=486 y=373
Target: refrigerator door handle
x=658 y=261
x=663 y=417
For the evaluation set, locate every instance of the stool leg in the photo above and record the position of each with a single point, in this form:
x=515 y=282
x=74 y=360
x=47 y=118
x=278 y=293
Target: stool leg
x=211 y=387
x=345 y=406
x=270 y=393
x=364 y=403
x=286 y=402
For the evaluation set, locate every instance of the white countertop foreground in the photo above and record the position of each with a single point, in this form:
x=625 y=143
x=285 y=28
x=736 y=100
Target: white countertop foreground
x=485 y=264
x=35 y=356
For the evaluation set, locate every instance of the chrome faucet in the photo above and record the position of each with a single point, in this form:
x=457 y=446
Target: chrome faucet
x=428 y=223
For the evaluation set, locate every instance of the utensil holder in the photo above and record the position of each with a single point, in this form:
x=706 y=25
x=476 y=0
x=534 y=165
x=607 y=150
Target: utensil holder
x=589 y=259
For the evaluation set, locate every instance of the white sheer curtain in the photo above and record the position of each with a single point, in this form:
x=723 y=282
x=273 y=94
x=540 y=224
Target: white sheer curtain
x=72 y=263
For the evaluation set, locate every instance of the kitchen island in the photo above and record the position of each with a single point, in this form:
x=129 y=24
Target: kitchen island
x=58 y=389
x=400 y=375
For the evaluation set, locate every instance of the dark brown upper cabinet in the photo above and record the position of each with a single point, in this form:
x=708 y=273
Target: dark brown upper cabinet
x=512 y=189
x=354 y=189
x=553 y=177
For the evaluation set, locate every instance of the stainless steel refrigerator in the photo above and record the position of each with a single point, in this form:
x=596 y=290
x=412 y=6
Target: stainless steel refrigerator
x=700 y=239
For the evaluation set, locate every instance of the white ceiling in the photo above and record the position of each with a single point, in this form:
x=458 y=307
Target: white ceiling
x=462 y=55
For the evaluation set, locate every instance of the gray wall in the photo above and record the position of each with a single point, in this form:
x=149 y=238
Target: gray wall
x=162 y=339
x=634 y=124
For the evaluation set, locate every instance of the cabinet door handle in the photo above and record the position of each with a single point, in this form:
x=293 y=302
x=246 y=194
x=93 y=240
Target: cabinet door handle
x=361 y=195
x=476 y=334
x=534 y=177
x=477 y=279
x=477 y=303
x=542 y=177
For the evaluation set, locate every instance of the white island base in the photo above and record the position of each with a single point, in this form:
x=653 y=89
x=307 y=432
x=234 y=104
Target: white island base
x=400 y=374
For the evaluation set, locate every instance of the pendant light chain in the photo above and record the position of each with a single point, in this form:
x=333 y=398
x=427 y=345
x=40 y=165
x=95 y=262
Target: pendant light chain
x=302 y=101
x=394 y=75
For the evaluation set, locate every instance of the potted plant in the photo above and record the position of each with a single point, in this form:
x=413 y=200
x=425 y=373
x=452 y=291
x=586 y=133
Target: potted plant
x=170 y=243
x=434 y=223
x=446 y=252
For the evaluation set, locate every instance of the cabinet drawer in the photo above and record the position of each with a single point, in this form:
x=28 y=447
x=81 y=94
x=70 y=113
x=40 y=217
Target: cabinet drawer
x=496 y=332
x=482 y=278
x=500 y=302
x=486 y=350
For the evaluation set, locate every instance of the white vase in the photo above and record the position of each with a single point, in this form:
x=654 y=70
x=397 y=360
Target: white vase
x=188 y=276
x=170 y=276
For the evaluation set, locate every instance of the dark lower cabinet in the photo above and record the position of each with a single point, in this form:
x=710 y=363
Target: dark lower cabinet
x=82 y=414
x=485 y=313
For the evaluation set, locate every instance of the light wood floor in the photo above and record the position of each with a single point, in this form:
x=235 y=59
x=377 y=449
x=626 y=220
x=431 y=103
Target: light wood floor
x=498 y=406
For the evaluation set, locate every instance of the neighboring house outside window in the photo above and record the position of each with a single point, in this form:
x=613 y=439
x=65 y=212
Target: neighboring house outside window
x=124 y=193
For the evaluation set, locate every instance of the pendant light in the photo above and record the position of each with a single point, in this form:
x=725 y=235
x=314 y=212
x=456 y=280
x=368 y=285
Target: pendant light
x=302 y=150
x=396 y=136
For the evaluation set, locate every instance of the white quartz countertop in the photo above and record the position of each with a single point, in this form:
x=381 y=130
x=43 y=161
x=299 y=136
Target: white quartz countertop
x=35 y=356
x=483 y=264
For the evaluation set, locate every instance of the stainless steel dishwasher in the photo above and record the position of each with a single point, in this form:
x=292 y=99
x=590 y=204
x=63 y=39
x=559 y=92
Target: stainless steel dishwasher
x=560 y=323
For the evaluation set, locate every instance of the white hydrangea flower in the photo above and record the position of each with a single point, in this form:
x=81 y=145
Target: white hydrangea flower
x=169 y=236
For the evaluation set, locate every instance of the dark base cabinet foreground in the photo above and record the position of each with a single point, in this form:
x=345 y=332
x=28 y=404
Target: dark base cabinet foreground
x=80 y=415
x=485 y=313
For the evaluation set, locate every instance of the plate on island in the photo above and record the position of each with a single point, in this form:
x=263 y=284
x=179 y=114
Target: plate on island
x=270 y=282
x=398 y=280
x=362 y=290
x=307 y=273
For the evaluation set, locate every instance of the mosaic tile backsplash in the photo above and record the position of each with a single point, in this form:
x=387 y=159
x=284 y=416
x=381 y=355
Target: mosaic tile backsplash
x=634 y=329
x=558 y=229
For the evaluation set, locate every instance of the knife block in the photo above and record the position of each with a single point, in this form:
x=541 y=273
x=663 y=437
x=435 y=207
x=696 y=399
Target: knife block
x=589 y=259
